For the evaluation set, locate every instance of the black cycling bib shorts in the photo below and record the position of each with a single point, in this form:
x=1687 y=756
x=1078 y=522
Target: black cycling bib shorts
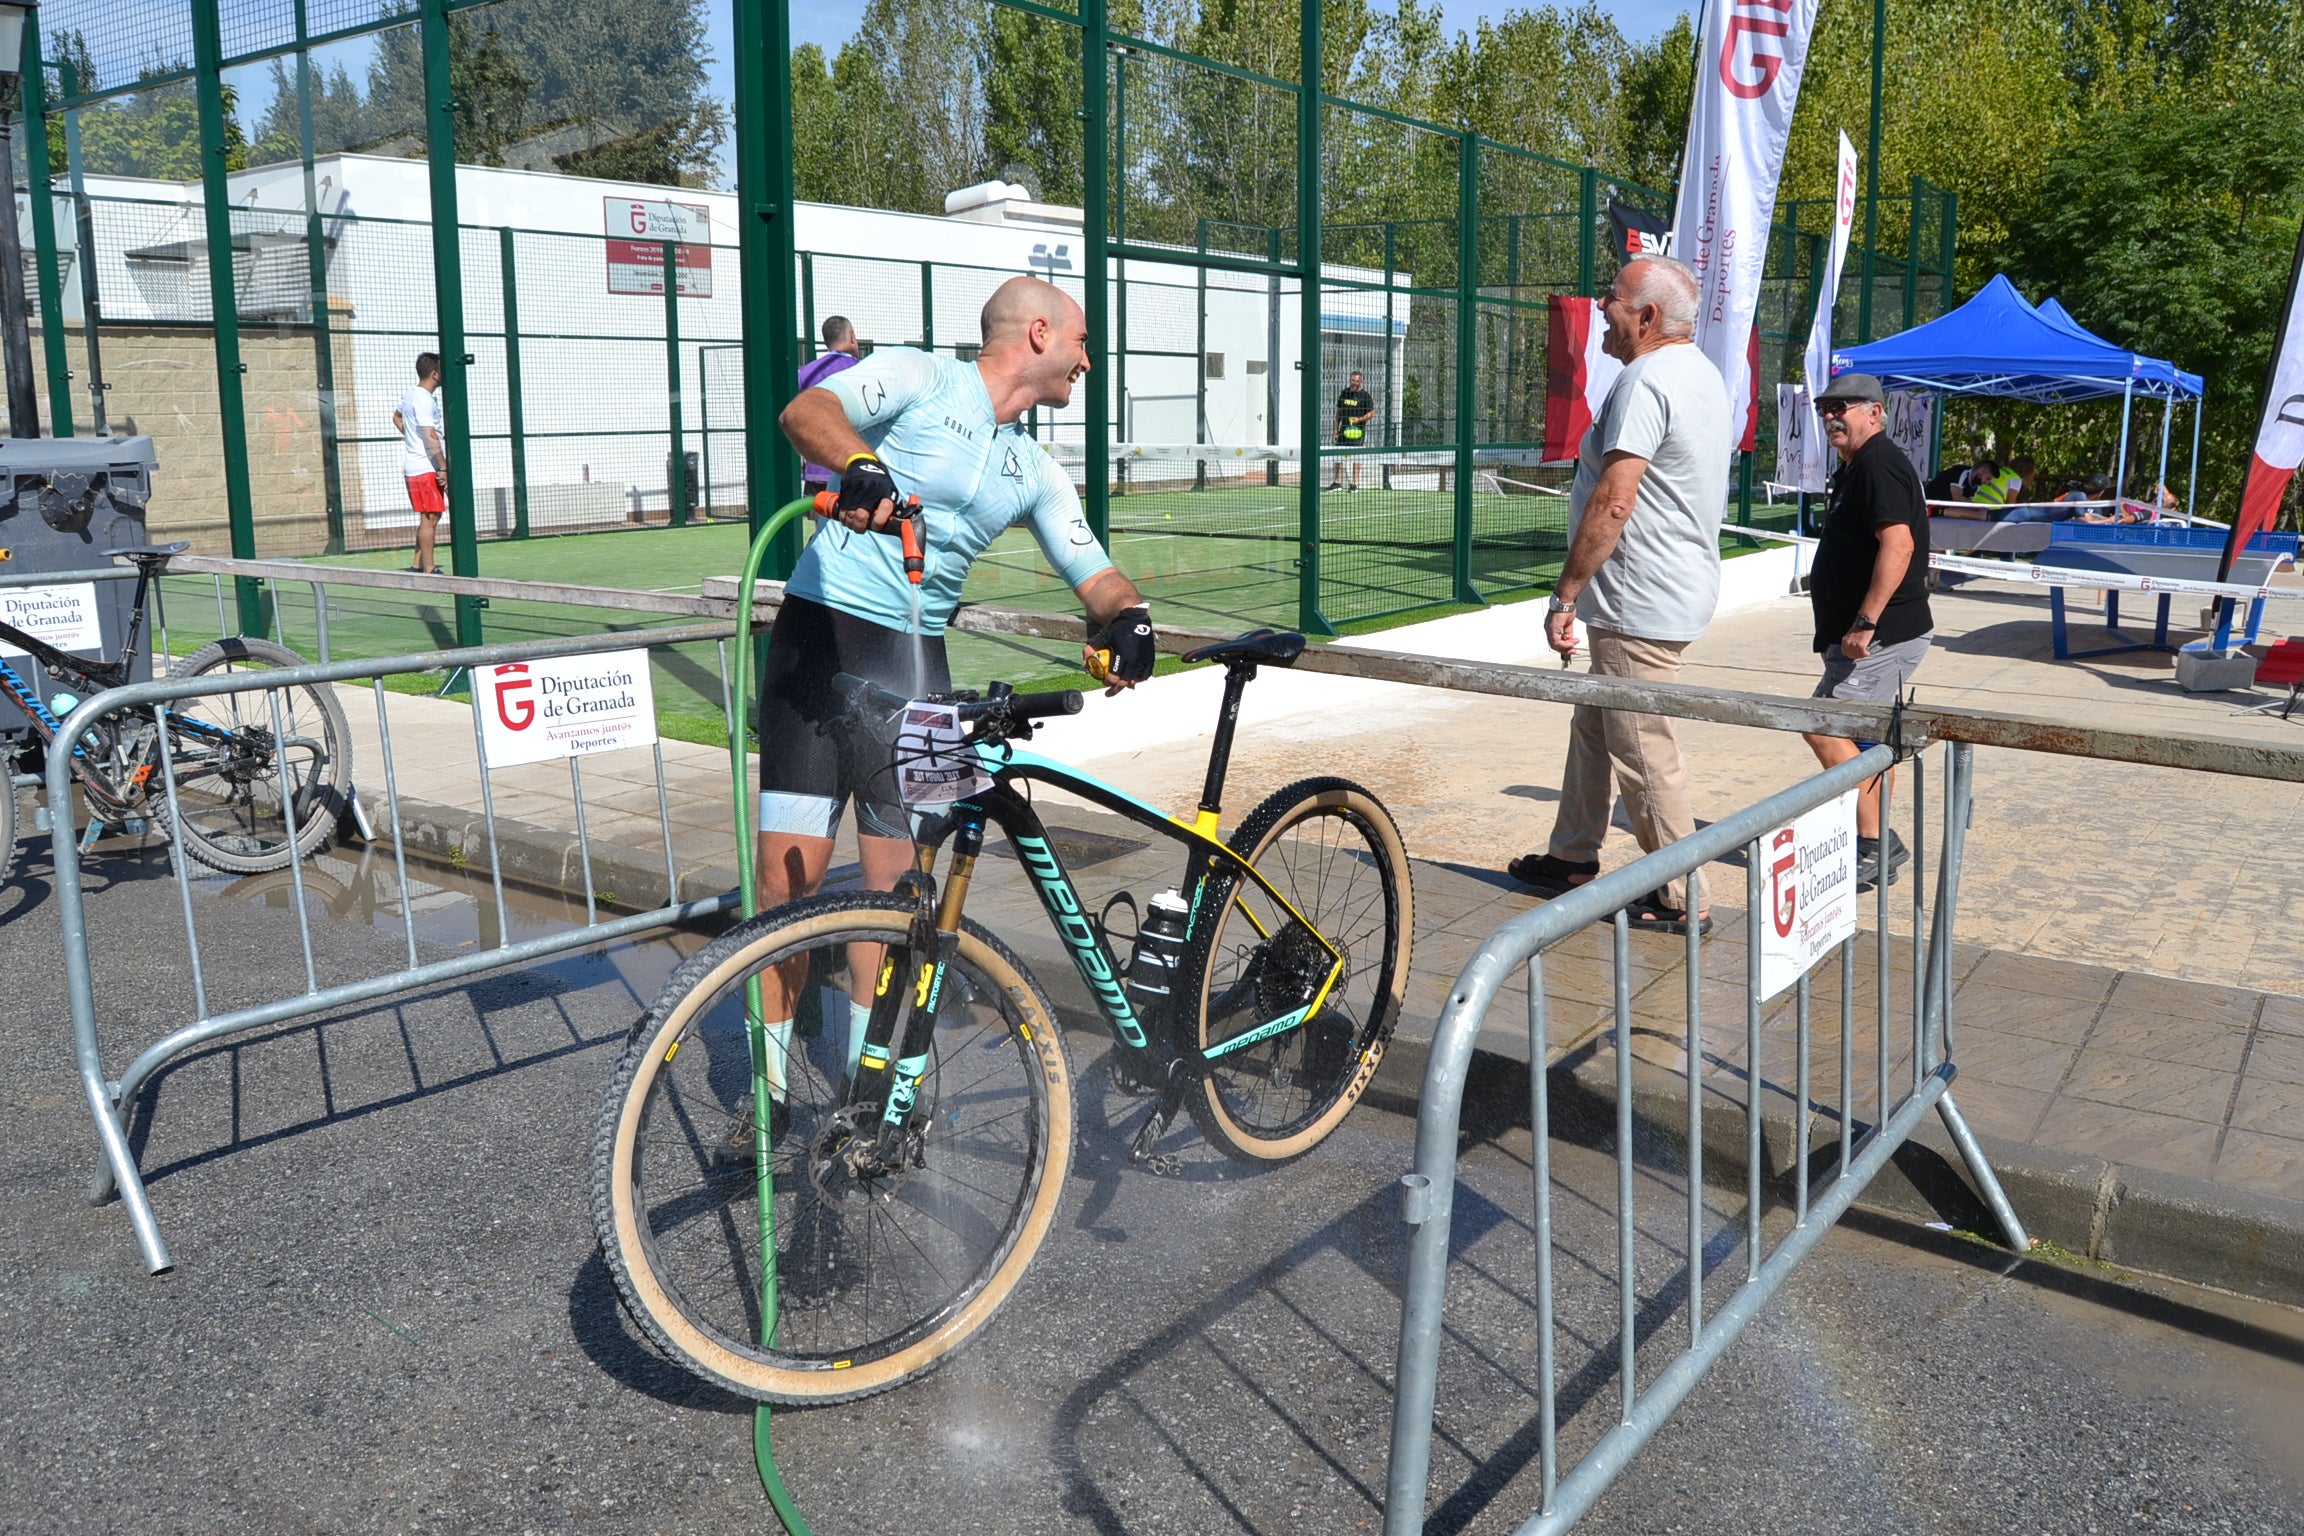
x=809 y=769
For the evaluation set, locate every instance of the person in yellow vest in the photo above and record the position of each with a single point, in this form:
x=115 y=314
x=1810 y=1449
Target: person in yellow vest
x=2008 y=486
x=1354 y=408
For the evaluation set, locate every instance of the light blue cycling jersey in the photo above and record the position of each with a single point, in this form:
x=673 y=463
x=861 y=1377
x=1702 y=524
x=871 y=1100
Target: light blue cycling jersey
x=929 y=419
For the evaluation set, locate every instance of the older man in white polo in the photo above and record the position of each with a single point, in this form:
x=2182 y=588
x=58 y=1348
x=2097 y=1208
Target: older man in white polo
x=1643 y=573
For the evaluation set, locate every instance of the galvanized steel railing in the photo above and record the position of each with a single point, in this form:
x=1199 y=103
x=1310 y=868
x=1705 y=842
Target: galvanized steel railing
x=1428 y=1191
x=110 y=1099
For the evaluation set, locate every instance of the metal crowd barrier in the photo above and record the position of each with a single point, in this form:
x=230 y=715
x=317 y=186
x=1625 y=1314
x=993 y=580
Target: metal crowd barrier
x=1429 y=1191
x=111 y=1098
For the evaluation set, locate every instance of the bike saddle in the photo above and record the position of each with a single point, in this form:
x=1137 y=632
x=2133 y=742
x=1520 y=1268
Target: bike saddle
x=150 y=554
x=1277 y=646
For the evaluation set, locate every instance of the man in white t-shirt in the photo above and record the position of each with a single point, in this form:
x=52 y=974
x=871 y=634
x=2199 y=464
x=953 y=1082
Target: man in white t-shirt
x=1643 y=573
x=424 y=457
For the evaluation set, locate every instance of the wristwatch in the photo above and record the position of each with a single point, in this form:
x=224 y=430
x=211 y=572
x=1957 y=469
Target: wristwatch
x=1553 y=604
x=1862 y=623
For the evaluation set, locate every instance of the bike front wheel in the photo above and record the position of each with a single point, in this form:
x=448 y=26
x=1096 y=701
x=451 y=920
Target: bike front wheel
x=244 y=772
x=879 y=1275
x=1332 y=850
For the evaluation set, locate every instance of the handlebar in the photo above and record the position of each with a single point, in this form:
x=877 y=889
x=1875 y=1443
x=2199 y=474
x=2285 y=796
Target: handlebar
x=1000 y=713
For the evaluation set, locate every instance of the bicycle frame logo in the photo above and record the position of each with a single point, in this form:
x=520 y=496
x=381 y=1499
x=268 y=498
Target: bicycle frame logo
x=1063 y=905
x=512 y=696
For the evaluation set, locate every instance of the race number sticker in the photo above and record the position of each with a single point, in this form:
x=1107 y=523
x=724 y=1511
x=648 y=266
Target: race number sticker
x=64 y=616
x=933 y=766
x=566 y=706
x=1808 y=891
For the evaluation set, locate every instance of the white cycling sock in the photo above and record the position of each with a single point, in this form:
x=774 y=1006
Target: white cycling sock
x=779 y=1035
x=845 y=1018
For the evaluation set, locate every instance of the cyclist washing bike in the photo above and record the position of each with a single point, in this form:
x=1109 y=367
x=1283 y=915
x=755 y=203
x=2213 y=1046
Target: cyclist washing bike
x=907 y=424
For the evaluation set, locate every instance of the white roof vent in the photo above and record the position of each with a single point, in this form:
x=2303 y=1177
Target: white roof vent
x=984 y=194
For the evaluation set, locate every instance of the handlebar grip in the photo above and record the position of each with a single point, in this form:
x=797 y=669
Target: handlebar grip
x=1041 y=706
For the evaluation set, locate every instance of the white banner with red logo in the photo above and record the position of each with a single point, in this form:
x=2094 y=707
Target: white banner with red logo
x=2280 y=439
x=1746 y=86
x=1578 y=374
x=637 y=231
x=1809 y=428
x=565 y=706
x=1807 y=891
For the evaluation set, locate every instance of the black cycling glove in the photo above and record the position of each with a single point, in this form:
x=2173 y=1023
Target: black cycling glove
x=1125 y=645
x=864 y=484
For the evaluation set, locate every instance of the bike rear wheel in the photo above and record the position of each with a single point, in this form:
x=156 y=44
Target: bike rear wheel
x=1333 y=851
x=228 y=762
x=879 y=1277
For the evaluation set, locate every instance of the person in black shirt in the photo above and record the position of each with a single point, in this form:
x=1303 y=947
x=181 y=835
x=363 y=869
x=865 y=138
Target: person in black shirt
x=1354 y=408
x=1868 y=588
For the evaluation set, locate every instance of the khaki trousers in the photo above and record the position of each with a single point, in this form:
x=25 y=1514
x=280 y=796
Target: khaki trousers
x=1644 y=755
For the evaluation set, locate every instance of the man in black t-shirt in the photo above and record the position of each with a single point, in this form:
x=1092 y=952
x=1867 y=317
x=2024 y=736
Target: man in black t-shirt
x=1869 y=588
x=1354 y=408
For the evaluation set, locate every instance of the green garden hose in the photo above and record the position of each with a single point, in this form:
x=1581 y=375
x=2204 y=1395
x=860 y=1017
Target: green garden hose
x=740 y=693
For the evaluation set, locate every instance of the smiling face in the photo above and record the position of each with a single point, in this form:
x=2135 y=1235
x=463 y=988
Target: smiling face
x=1629 y=323
x=1060 y=347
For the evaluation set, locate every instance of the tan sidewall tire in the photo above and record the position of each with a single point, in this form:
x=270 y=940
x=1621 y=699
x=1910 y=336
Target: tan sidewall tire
x=1207 y=1102
x=749 y=1377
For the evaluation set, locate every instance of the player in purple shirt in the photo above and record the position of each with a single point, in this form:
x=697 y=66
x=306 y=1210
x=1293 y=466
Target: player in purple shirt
x=839 y=354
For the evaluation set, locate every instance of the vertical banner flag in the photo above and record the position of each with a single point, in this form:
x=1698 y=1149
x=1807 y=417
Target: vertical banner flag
x=2280 y=439
x=1747 y=82
x=1577 y=374
x=1819 y=356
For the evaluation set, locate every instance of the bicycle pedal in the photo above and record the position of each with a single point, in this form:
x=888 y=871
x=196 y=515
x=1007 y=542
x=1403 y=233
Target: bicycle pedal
x=1164 y=1165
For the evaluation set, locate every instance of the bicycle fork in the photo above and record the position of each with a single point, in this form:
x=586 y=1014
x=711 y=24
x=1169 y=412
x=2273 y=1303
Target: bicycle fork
x=907 y=995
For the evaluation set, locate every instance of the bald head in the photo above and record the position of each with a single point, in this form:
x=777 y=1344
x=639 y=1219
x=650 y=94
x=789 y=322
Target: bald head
x=1035 y=346
x=1016 y=303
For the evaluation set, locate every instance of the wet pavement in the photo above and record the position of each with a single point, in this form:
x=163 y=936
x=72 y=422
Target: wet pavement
x=388 y=1314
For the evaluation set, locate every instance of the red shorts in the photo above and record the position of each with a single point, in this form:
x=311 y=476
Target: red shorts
x=426 y=493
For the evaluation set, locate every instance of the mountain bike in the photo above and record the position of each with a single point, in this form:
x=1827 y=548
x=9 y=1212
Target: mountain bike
x=238 y=766
x=919 y=1120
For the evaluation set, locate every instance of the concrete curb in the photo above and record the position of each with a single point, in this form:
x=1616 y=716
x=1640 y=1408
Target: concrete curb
x=2106 y=1212
x=546 y=858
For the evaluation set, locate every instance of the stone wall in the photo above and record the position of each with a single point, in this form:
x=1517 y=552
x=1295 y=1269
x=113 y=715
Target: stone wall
x=163 y=380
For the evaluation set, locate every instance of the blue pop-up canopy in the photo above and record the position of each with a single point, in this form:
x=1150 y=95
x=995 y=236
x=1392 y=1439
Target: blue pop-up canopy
x=1998 y=344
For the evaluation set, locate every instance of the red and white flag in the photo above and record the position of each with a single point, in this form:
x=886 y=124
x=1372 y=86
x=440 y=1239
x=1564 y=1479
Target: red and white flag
x=1747 y=84
x=2280 y=440
x=1577 y=374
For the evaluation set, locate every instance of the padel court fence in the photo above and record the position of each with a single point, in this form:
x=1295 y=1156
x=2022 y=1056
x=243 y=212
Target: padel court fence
x=256 y=299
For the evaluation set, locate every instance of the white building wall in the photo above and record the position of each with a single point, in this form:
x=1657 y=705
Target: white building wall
x=596 y=392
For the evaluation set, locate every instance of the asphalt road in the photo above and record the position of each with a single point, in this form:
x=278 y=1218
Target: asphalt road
x=388 y=1315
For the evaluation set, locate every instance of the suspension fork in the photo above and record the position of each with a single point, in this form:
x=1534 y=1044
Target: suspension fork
x=908 y=992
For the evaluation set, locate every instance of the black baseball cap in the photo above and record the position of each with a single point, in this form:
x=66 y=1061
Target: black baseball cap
x=1852 y=387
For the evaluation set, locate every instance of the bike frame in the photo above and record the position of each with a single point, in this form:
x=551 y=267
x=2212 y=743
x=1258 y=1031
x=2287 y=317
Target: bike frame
x=899 y=1036
x=96 y=675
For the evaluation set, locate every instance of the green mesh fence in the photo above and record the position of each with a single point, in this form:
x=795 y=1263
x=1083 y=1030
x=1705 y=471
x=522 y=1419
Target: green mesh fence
x=594 y=403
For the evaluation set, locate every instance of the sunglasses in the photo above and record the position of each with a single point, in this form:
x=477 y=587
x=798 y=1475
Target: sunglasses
x=1839 y=407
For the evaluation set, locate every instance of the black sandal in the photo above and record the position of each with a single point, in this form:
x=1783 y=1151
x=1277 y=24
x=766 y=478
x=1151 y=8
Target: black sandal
x=1548 y=876
x=1652 y=916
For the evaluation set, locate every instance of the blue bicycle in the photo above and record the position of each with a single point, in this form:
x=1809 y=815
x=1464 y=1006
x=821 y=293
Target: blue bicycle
x=259 y=778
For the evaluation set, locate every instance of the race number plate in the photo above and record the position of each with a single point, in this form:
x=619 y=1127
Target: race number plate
x=934 y=766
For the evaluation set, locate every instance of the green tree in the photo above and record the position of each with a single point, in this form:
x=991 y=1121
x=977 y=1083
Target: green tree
x=816 y=149
x=2169 y=230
